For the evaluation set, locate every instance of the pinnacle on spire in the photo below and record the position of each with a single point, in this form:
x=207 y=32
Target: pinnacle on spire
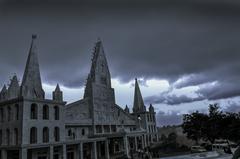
x=126 y=109
x=138 y=104
x=14 y=88
x=3 y=93
x=31 y=84
x=57 y=94
x=151 y=108
x=57 y=88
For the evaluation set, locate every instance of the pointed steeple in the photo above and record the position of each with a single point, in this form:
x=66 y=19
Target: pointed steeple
x=99 y=72
x=57 y=94
x=57 y=88
x=3 y=93
x=31 y=84
x=126 y=109
x=138 y=104
x=14 y=88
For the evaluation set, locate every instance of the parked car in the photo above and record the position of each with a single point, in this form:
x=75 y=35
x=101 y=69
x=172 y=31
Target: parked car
x=197 y=149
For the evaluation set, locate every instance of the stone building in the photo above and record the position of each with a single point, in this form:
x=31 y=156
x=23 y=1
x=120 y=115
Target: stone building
x=95 y=127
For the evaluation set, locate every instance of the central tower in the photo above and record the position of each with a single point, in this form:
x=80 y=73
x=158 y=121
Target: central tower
x=98 y=91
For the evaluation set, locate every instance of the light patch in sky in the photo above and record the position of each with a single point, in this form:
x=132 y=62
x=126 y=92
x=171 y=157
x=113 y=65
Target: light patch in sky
x=124 y=92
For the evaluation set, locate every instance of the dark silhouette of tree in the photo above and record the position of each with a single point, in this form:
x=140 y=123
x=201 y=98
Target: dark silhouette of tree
x=194 y=125
x=213 y=125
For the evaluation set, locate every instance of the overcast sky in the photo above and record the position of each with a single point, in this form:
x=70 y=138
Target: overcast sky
x=185 y=52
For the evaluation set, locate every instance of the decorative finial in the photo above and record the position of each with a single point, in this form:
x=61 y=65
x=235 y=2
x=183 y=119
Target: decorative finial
x=34 y=36
x=98 y=39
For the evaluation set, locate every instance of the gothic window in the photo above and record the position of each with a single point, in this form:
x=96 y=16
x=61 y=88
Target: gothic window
x=33 y=135
x=106 y=128
x=34 y=111
x=114 y=128
x=104 y=80
x=16 y=136
x=69 y=132
x=56 y=134
x=9 y=113
x=0 y=137
x=56 y=113
x=45 y=112
x=83 y=132
x=16 y=111
x=98 y=128
x=102 y=66
x=8 y=136
x=45 y=134
x=2 y=114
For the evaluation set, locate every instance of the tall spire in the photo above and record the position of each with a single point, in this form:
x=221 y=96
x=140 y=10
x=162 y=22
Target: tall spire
x=31 y=85
x=138 y=104
x=99 y=72
x=13 y=90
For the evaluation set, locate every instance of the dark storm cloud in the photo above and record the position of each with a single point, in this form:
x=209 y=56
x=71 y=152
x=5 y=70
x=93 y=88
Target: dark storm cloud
x=171 y=99
x=164 y=39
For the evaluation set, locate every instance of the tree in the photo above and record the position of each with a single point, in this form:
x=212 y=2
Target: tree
x=213 y=125
x=194 y=125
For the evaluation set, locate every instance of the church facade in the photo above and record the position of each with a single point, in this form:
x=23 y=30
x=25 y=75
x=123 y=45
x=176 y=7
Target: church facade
x=95 y=127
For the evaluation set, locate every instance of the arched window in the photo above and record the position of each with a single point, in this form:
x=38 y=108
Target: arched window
x=83 y=132
x=8 y=136
x=34 y=110
x=0 y=137
x=56 y=113
x=9 y=113
x=56 y=134
x=45 y=112
x=2 y=114
x=16 y=111
x=16 y=136
x=69 y=132
x=45 y=135
x=33 y=135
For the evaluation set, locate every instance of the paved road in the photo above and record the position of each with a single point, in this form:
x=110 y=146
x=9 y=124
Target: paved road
x=207 y=155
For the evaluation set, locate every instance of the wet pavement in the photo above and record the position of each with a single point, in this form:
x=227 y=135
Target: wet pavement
x=206 y=155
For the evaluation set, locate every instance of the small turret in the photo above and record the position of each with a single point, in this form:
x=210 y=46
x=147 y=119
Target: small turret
x=126 y=109
x=151 y=109
x=3 y=93
x=14 y=88
x=57 y=94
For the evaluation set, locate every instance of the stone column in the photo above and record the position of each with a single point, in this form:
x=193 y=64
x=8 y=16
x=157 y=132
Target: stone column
x=51 y=152
x=142 y=140
x=107 y=150
x=94 y=150
x=4 y=154
x=23 y=153
x=125 y=139
x=64 y=151
x=80 y=151
x=145 y=141
x=135 y=141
